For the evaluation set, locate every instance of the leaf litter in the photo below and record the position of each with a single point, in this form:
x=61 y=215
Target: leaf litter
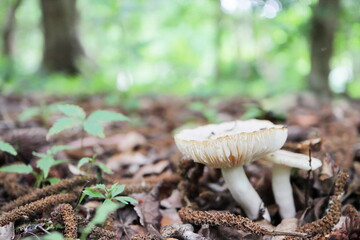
x=143 y=154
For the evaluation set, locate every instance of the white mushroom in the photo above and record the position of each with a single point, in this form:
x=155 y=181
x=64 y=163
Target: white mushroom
x=229 y=146
x=284 y=161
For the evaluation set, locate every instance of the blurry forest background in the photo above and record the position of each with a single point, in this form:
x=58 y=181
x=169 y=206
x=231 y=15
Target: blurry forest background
x=249 y=48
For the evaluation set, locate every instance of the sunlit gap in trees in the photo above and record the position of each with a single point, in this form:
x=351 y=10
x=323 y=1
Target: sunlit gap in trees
x=270 y=8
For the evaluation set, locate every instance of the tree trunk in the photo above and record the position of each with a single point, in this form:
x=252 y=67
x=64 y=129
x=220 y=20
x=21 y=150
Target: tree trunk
x=8 y=35
x=62 y=47
x=323 y=27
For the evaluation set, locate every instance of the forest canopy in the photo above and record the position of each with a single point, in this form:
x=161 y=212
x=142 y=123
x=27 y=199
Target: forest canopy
x=232 y=47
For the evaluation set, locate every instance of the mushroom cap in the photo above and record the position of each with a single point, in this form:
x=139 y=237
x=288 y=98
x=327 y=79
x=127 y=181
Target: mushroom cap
x=295 y=160
x=231 y=143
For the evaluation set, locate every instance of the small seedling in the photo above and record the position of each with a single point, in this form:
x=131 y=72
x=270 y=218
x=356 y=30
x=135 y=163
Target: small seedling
x=112 y=202
x=43 y=112
x=76 y=117
x=111 y=193
x=6 y=147
x=45 y=163
x=92 y=162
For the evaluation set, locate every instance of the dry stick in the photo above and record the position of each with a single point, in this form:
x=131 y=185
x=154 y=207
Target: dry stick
x=46 y=191
x=227 y=219
x=36 y=207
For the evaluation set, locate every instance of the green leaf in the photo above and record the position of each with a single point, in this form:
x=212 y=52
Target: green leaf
x=103 y=211
x=5 y=147
x=126 y=200
x=53 y=180
x=99 y=186
x=103 y=167
x=45 y=164
x=29 y=113
x=40 y=155
x=54 y=236
x=50 y=236
x=93 y=193
x=83 y=161
x=117 y=190
x=57 y=162
x=83 y=195
x=94 y=128
x=63 y=124
x=58 y=148
x=101 y=214
x=72 y=111
x=107 y=116
x=17 y=168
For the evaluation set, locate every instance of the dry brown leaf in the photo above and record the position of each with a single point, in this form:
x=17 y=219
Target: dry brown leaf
x=149 y=169
x=169 y=217
x=286 y=225
x=148 y=208
x=174 y=201
x=128 y=158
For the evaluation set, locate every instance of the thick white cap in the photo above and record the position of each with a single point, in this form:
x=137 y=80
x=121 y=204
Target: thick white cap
x=295 y=160
x=231 y=143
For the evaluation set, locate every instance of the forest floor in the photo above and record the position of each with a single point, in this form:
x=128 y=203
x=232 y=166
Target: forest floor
x=176 y=197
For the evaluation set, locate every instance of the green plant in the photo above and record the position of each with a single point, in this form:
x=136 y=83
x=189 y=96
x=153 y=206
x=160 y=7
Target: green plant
x=207 y=111
x=45 y=162
x=112 y=201
x=49 y=236
x=6 y=147
x=111 y=193
x=92 y=162
x=76 y=117
x=42 y=111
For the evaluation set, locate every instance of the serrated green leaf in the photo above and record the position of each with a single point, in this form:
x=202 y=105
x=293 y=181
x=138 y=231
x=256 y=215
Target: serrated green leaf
x=72 y=111
x=63 y=124
x=29 y=113
x=117 y=190
x=83 y=161
x=45 y=164
x=103 y=167
x=107 y=116
x=93 y=193
x=58 y=148
x=6 y=147
x=126 y=200
x=17 y=168
x=94 y=128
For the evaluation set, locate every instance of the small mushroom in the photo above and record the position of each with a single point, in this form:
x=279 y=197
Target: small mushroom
x=229 y=146
x=283 y=162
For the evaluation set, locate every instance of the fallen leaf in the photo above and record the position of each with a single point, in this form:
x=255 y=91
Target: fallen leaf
x=174 y=201
x=149 y=169
x=7 y=231
x=169 y=217
x=286 y=225
x=148 y=208
x=128 y=158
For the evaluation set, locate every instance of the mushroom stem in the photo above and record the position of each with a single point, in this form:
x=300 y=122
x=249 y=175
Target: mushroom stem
x=243 y=192
x=282 y=190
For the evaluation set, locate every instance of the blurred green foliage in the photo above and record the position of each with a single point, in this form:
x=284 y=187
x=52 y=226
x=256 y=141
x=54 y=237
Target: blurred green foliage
x=185 y=47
